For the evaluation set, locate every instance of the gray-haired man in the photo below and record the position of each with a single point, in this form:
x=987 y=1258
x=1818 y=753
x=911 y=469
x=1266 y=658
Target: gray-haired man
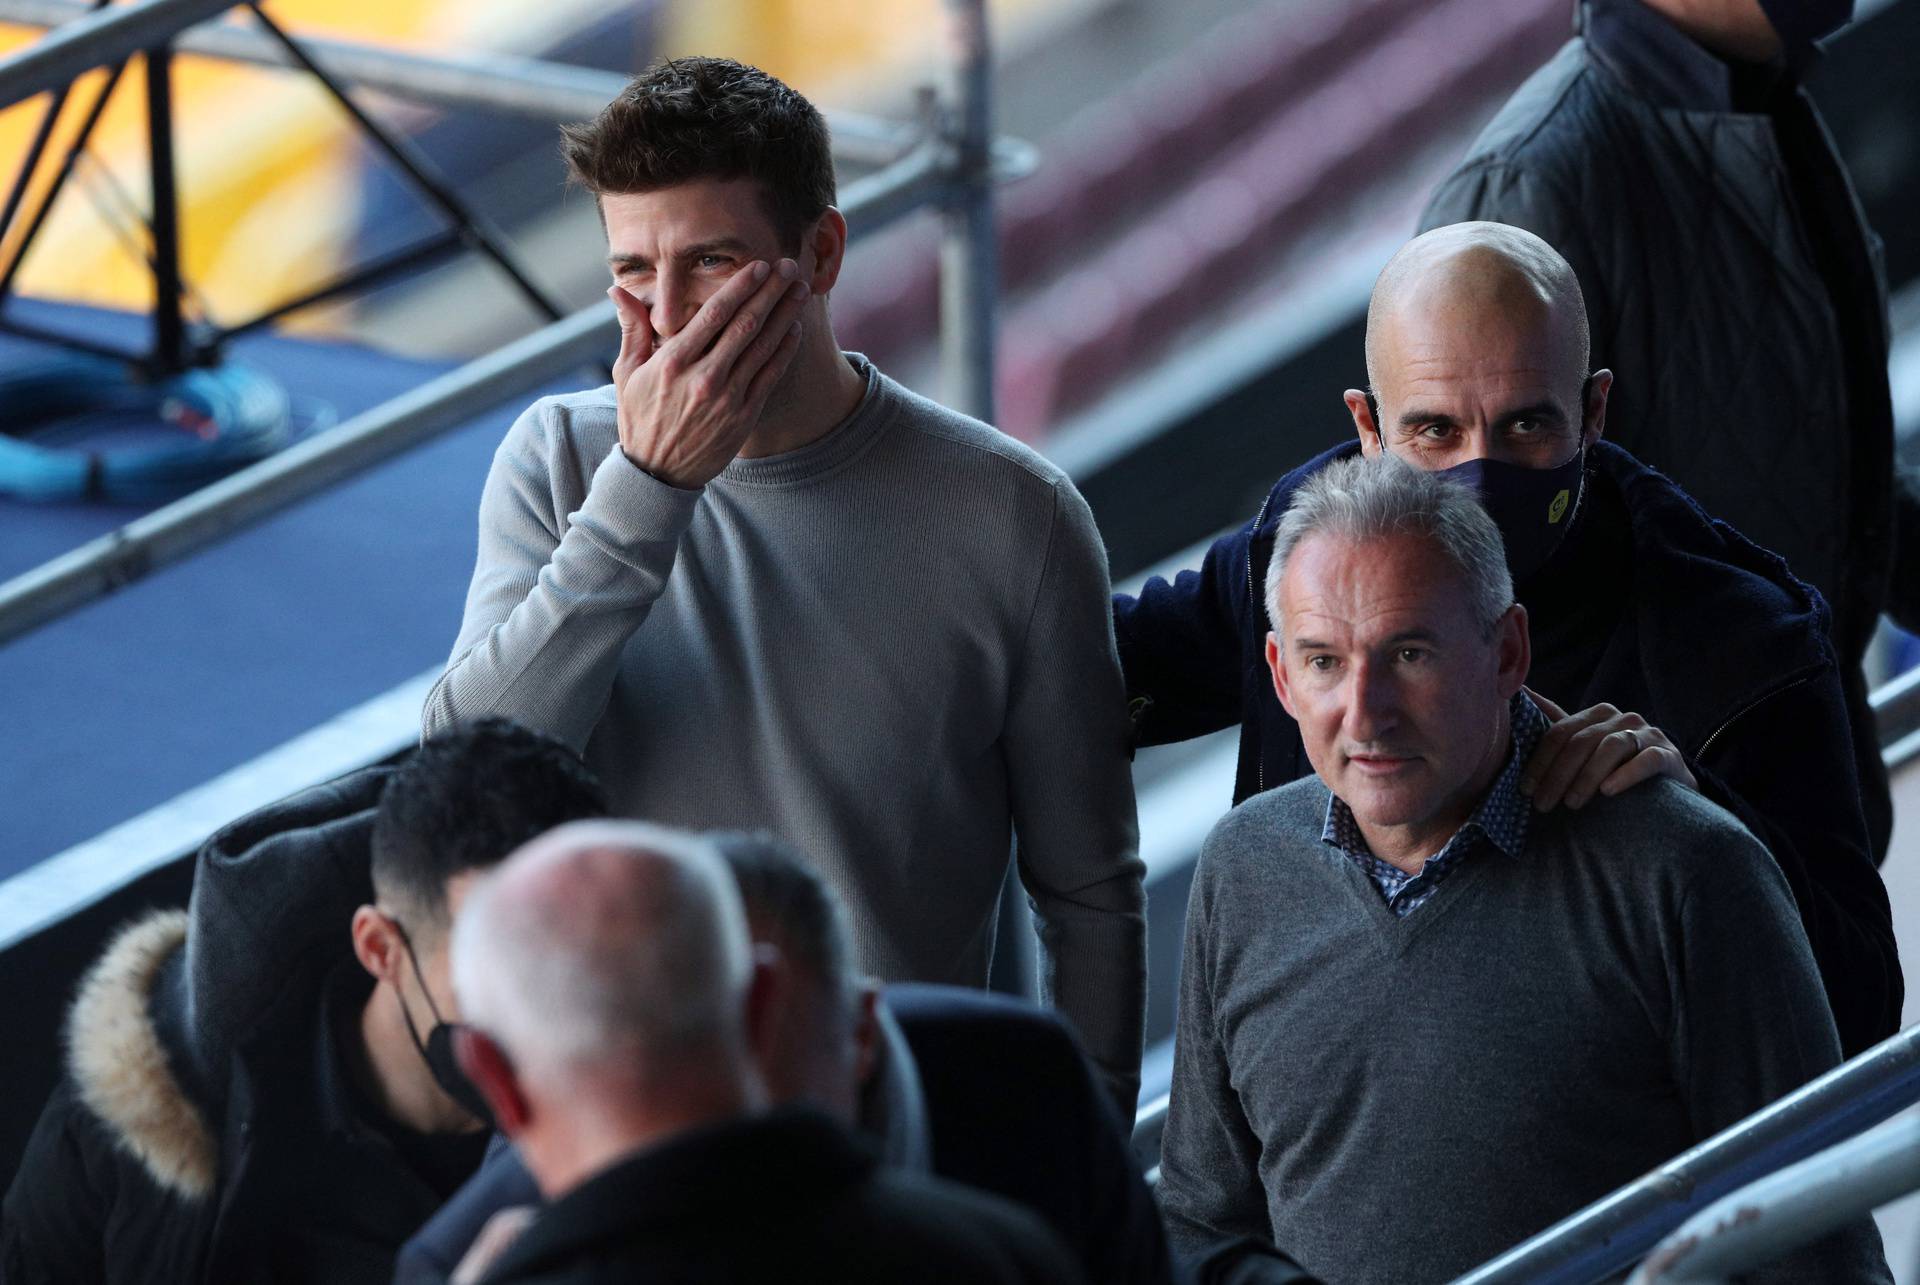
x=1418 y=1021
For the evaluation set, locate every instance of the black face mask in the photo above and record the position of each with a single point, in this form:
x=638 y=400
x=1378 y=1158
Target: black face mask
x=437 y=1049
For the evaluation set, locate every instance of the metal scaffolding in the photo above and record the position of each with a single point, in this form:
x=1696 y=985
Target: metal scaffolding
x=948 y=160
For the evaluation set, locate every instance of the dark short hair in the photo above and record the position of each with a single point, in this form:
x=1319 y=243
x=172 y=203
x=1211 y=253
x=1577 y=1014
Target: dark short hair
x=691 y=118
x=780 y=890
x=464 y=801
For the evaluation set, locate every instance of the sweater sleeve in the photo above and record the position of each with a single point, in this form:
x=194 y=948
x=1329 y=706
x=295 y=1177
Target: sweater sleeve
x=1751 y=1024
x=1210 y=1190
x=1070 y=781
x=555 y=596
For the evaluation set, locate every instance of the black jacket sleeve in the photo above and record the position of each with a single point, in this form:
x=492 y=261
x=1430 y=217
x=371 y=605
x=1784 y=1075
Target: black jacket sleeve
x=1804 y=806
x=1180 y=646
x=53 y=1225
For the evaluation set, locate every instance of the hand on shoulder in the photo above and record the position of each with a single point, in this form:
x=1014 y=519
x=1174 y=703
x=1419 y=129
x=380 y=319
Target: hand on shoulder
x=1600 y=750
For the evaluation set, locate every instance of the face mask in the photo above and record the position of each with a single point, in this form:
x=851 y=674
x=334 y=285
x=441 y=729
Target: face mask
x=1533 y=507
x=1799 y=23
x=437 y=1049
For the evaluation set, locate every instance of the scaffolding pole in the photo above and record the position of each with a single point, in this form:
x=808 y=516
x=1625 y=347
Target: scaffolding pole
x=98 y=38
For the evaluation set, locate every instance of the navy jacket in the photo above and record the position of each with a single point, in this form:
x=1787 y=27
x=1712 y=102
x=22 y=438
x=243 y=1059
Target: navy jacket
x=1013 y=1109
x=1714 y=642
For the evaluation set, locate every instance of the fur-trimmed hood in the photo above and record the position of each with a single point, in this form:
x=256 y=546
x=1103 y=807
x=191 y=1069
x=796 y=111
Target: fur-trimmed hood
x=121 y=1069
x=152 y=1034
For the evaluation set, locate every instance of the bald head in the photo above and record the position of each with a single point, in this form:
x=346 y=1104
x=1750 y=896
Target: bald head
x=605 y=945
x=1468 y=278
x=1477 y=348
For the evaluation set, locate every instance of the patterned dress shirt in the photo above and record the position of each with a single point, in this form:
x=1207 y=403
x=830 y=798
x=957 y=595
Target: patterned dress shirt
x=1500 y=820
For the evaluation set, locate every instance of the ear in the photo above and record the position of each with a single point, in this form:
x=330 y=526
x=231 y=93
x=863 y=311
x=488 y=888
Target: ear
x=1362 y=412
x=376 y=945
x=768 y=995
x=486 y=1064
x=1516 y=650
x=1593 y=415
x=827 y=238
x=1278 y=665
x=866 y=1029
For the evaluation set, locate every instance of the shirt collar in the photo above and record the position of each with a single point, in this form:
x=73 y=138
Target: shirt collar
x=1503 y=812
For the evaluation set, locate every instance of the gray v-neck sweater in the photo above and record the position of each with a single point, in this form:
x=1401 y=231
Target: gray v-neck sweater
x=1397 y=1100
x=892 y=647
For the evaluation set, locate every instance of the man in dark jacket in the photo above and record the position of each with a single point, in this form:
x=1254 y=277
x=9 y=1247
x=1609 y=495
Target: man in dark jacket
x=1672 y=143
x=619 y=1015
x=260 y=1088
x=1688 y=651
x=976 y=1088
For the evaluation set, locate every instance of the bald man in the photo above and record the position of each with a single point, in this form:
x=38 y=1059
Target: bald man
x=617 y=1017
x=1686 y=651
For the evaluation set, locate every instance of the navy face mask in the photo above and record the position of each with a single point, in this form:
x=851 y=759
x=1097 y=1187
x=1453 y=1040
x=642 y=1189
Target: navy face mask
x=437 y=1049
x=1533 y=507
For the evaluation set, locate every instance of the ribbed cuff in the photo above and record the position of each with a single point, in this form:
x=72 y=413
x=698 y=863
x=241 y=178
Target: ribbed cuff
x=631 y=512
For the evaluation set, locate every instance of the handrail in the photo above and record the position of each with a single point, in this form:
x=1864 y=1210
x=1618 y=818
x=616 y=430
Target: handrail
x=1896 y=713
x=102 y=38
x=1784 y=1211
x=1617 y=1230
x=191 y=523
x=546 y=91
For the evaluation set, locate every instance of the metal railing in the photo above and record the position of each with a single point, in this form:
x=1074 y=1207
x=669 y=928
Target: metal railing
x=1788 y=1210
x=101 y=38
x=545 y=91
x=1896 y=713
x=1618 y=1230
x=952 y=162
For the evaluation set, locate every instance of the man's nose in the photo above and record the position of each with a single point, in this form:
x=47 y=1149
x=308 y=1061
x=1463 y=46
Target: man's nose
x=672 y=304
x=1372 y=704
x=1476 y=443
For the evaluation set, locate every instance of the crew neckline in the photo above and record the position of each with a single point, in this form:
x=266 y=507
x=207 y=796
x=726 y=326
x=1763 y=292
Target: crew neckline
x=842 y=443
